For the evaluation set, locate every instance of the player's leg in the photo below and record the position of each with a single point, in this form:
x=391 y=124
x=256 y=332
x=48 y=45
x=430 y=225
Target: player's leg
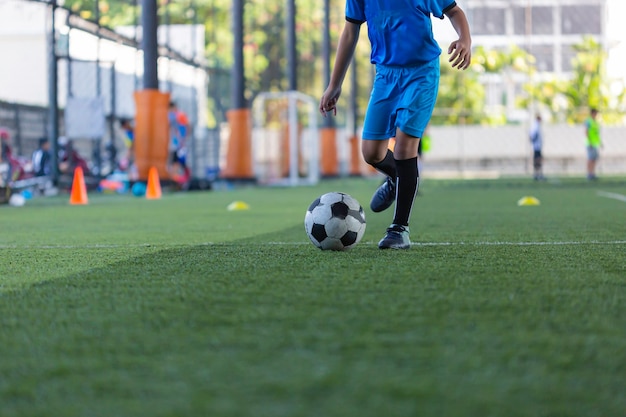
x=408 y=176
x=377 y=154
x=405 y=153
x=419 y=88
x=420 y=158
x=378 y=127
x=592 y=156
x=537 y=165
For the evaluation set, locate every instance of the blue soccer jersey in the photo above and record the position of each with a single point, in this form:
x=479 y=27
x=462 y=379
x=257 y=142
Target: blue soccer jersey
x=400 y=31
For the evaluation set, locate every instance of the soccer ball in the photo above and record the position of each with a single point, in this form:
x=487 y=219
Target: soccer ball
x=335 y=221
x=17 y=200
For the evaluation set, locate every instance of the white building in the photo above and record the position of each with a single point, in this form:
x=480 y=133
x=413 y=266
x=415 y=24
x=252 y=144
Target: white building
x=89 y=66
x=23 y=52
x=547 y=29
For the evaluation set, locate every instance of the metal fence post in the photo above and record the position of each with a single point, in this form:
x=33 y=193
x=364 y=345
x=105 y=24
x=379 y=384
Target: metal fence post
x=18 y=130
x=112 y=120
x=53 y=105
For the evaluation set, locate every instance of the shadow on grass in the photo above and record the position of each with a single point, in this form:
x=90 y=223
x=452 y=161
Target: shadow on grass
x=237 y=329
x=251 y=329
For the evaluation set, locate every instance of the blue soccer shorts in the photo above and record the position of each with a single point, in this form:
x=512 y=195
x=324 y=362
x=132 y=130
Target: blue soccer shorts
x=592 y=153
x=402 y=98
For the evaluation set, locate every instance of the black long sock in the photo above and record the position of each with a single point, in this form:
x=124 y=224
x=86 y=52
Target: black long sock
x=387 y=166
x=407 y=183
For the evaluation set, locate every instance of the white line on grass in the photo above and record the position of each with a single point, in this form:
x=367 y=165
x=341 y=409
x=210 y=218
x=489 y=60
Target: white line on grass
x=163 y=245
x=572 y=243
x=566 y=243
x=141 y=245
x=614 y=196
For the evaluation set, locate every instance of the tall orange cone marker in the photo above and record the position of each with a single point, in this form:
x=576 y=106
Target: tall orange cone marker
x=153 y=192
x=79 y=190
x=330 y=161
x=355 y=157
x=239 y=153
x=152 y=132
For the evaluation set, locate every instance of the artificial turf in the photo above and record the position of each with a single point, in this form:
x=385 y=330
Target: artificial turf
x=179 y=307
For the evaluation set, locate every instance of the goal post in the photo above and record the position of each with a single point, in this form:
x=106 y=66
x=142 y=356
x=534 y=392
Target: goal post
x=285 y=139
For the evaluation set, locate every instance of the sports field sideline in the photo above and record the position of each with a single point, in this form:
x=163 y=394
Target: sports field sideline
x=179 y=307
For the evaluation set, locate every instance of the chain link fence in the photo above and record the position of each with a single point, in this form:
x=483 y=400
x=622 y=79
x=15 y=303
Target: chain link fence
x=99 y=68
x=525 y=48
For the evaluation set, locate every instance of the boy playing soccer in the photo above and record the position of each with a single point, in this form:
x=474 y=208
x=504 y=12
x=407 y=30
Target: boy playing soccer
x=404 y=92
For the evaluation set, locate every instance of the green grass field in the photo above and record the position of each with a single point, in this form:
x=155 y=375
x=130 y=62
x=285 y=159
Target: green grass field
x=179 y=307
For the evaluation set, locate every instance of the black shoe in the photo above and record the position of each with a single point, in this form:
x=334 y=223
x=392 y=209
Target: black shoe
x=384 y=196
x=397 y=237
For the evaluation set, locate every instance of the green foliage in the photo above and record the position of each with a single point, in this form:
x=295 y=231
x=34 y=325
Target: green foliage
x=112 y=12
x=497 y=61
x=178 y=307
x=265 y=53
x=461 y=97
x=505 y=63
x=570 y=100
x=265 y=39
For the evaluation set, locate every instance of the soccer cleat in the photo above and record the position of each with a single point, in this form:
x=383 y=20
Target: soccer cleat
x=384 y=196
x=397 y=237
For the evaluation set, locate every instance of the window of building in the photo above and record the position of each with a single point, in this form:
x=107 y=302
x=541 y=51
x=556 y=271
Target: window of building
x=568 y=55
x=544 y=57
x=581 y=20
x=541 y=20
x=488 y=21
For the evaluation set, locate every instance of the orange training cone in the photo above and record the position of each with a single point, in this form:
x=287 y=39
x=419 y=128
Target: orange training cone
x=152 y=132
x=153 y=192
x=330 y=162
x=79 y=190
x=239 y=165
x=355 y=157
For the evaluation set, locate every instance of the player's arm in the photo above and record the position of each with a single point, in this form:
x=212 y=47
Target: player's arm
x=461 y=49
x=345 y=50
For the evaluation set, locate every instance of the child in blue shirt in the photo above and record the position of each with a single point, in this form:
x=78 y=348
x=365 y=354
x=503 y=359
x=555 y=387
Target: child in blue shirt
x=403 y=96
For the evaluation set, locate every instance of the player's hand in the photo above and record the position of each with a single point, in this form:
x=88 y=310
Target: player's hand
x=460 y=54
x=328 y=101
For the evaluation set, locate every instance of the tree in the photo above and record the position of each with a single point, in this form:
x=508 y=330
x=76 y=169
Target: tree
x=498 y=66
x=570 y=99
x=264 y=38
x=461 y=97
x=462 y=94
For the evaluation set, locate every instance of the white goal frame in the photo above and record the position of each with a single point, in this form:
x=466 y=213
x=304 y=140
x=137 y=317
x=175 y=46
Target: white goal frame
x=303 y=151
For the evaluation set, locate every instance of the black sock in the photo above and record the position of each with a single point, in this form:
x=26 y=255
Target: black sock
x=387 y=166
x=406 y=189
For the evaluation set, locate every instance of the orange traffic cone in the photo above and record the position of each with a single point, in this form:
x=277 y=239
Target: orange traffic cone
x=355 y=157
x=330 y=162
x=79 y=190
x=153 y=192
x=239 y=153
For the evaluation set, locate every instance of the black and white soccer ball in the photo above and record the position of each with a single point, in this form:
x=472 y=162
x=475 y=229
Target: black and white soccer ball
x=335 y=221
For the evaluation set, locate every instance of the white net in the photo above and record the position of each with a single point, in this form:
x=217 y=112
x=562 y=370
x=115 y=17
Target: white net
x=285 y=140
